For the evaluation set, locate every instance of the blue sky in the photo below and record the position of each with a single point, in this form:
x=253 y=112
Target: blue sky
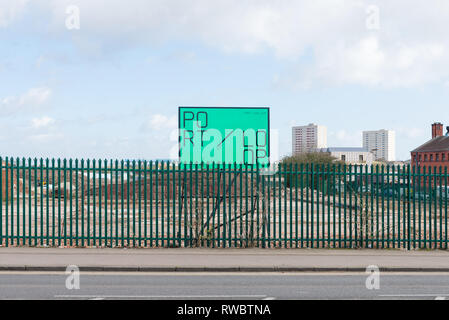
x=111 y=88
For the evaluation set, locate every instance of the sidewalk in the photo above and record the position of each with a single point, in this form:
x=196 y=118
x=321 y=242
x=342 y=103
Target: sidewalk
x=221 y=260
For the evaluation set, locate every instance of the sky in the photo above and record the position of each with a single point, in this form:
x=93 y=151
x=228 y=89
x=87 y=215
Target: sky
x=104 y=78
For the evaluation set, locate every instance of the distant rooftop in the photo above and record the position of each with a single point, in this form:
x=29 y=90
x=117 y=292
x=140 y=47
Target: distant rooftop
x=377 y=130
x=343 y=149
x=436 y=144
x=305 y=125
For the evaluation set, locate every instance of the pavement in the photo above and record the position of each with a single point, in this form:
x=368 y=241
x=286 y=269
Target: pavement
x=221 y=260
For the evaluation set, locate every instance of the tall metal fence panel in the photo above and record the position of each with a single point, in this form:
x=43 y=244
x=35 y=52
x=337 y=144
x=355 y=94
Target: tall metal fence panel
x=86 y=203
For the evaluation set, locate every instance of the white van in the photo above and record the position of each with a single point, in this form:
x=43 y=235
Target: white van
x=443 y=191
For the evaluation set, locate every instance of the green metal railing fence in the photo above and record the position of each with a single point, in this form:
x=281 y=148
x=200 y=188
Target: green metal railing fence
x=86 y=203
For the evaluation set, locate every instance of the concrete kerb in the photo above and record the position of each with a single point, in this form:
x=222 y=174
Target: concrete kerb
x=215 y=269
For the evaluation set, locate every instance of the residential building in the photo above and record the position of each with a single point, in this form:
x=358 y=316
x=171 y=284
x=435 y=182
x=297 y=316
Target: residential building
x=434 y=153
x=350 y=155
x=382 y=143
x=308 y=138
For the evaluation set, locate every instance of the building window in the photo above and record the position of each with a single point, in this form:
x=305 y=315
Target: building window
x=431 y=158
x=437 y=157
x=425 y=158
x=361 y=158
x=443 y=157
x=343 y=157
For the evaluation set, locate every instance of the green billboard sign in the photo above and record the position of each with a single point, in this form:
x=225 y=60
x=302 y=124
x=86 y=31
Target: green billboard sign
x=224 y=135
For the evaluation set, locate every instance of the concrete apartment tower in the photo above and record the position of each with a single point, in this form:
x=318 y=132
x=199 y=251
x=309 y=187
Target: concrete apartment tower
x=308 y=138
x=382 y=143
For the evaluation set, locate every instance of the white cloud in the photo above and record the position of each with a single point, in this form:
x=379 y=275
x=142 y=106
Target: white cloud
x=10 y=10
x=30 y=100
x=160 y=121
x=409 y=49
x=412 y=133
x=373 y=61
x=42 y=122
x=45 y=137
x=35 y=96
x=344 y=138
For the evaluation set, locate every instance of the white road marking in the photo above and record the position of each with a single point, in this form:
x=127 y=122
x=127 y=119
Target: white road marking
x=162 y=297
x=416 y=295
x=440 y=298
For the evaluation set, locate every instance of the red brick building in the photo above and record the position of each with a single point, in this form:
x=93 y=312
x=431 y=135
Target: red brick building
x=434 y=153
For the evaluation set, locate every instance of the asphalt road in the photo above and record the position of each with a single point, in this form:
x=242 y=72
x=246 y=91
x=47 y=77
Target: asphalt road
x=34 y=285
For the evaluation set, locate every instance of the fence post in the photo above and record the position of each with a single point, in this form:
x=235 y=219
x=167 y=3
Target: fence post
x=76 y=202
x=408 y=205
x=24 y=203
x=1 y=202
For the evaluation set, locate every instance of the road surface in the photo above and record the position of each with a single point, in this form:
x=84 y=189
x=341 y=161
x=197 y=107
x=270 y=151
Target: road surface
x=227 y=286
